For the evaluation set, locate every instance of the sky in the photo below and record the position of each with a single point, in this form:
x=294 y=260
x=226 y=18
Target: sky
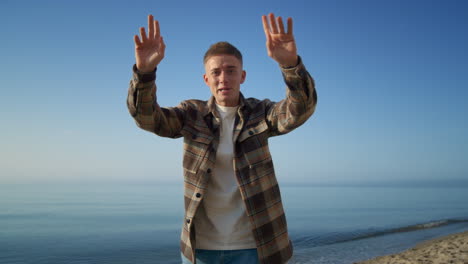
x=391 y=78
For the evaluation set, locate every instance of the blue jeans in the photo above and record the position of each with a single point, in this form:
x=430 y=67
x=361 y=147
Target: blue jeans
x=241 y=256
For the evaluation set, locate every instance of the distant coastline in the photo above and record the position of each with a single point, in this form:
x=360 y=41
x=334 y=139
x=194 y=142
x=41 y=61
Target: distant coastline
x=426 y=183
x=178 y=181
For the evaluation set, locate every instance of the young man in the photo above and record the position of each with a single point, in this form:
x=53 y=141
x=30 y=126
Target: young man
x=233 y=208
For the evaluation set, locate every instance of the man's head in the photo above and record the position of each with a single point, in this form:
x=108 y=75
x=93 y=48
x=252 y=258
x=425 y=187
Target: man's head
x=224 y=73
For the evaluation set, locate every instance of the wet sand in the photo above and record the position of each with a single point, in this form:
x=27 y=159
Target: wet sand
x=451 y=249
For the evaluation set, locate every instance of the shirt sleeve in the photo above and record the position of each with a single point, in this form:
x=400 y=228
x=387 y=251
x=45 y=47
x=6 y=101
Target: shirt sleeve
x=299 y=104
x=144 y=108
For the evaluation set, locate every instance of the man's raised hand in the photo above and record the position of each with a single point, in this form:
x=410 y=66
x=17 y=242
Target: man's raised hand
x=149 y=50
x=280 y=44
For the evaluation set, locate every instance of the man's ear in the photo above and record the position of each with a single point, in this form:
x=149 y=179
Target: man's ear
x=205 y=78
x=244 y=74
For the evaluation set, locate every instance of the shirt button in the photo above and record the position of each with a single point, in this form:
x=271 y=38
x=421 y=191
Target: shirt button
x=198 y=195
x=251 y=133
x=208 y=170
x=188 y=221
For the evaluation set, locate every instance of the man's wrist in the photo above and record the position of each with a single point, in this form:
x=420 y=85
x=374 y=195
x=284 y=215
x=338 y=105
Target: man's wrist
x=143 y=76
x=290 y=64
x=144 y=70
x=296 y=71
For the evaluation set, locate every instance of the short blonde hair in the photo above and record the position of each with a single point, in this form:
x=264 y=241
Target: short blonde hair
x=220 y=48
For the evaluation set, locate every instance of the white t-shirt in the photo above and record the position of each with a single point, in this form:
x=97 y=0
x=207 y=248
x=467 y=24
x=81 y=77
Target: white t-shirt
x=221 y=222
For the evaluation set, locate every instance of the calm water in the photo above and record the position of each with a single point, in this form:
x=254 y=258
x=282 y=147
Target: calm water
x=136 y=223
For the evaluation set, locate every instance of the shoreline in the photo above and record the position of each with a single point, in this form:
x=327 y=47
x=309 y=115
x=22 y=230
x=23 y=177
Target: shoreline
x=447 y=249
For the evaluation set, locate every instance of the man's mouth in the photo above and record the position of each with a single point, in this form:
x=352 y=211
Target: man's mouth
x=223 y=89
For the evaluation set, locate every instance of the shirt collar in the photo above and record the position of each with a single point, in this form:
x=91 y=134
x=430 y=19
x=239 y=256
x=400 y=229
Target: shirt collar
x=211 y=106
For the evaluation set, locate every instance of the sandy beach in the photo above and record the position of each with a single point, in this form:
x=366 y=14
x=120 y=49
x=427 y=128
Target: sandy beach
x=448 y=249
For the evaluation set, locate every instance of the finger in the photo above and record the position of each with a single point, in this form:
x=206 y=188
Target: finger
x=266 y=28
x=162 y=46
x=274 y=29
x=290 y=26
x=150 y=26
x=137 y=40
x=157 y=33
x=280 y=25
x=143 y=34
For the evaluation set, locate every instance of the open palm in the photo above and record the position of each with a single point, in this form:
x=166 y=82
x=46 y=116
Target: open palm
x=280 y=44
x=149 y=50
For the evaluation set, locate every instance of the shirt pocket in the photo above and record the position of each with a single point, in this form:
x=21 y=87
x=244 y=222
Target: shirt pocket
x=253 y=131
x=253 y=142
x=195 y=147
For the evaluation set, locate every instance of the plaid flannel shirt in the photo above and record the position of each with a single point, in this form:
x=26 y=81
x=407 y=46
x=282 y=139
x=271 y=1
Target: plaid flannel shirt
x=198 y=122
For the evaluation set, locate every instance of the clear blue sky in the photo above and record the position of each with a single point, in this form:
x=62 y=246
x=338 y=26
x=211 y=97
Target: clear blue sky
x=391 y=78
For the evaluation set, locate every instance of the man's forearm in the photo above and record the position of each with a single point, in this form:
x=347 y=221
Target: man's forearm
x=299 y=104
x=299 y=81
x=141 y=92
x=142 y=105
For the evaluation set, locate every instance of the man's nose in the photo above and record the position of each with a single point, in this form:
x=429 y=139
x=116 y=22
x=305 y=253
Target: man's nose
x=223 y=78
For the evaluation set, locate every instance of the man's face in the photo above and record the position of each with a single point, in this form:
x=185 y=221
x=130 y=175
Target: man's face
x=224 y=75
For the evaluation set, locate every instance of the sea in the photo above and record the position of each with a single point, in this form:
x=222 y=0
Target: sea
x=119 y=223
